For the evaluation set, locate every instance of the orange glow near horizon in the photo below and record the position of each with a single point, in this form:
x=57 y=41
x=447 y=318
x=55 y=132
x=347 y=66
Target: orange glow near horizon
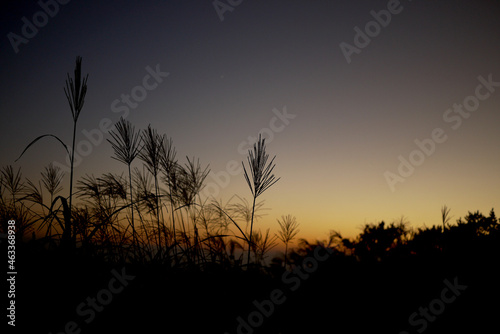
x=337 y=128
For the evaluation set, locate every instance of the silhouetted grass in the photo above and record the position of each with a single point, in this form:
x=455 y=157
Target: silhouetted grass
x=126 y=143
x=188 y=251
x=262 y=178
x=288 y=231
x=75 y=91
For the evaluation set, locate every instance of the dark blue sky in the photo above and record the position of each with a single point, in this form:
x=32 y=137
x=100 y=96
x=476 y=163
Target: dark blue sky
x=351 y=121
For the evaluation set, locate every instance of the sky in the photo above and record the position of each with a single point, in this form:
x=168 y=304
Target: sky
x=374 y=109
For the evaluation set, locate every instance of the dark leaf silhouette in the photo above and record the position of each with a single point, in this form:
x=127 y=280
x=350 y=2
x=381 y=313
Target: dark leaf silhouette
x=40 y=137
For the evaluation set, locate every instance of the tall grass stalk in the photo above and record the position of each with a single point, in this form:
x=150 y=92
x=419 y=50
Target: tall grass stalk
x=445 y=216
x=75 y=91
x=12 y=181
x=168 y=166
x=14 y=208
x=151 y=155
x=126 y=143
x=259 y=177
x=288 y=231
x=190 y=178
x=52 y=178
x=262 y=244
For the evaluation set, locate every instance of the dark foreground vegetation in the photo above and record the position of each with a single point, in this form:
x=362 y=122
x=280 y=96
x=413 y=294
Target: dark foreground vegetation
x=375 y=282
x=148 y=252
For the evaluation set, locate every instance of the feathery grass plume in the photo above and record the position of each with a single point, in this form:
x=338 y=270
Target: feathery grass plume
x=75 y=91
x=243 y=210
x=167 y=158
x=12 y=181
x=90 y=187
x=261 y=177
x=445 y=216
x=114 y=186
x=207 y=220
x=220 y=219
x=262 y=244
x=144 y=196
x=190 y=178
x=126 y=143
x=168 y=166
x=13 y=208
x=221 y=213
x=151 y=155
x=151 y=149
x=288 y=231
x=34 y=193
x=52 y=178
x=146 y=201
x=105 y=198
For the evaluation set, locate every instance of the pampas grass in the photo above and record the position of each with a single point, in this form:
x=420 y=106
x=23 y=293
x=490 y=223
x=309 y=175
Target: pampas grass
x=75 y=91
x=151 y=156
x=288 y=231
x=126 y=144
x=259 y=177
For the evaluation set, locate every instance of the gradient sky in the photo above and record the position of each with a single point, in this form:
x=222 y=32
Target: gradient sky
x=352 y=120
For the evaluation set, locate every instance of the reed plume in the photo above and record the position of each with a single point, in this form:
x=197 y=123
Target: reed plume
x=126 y=143
x=259 y=178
